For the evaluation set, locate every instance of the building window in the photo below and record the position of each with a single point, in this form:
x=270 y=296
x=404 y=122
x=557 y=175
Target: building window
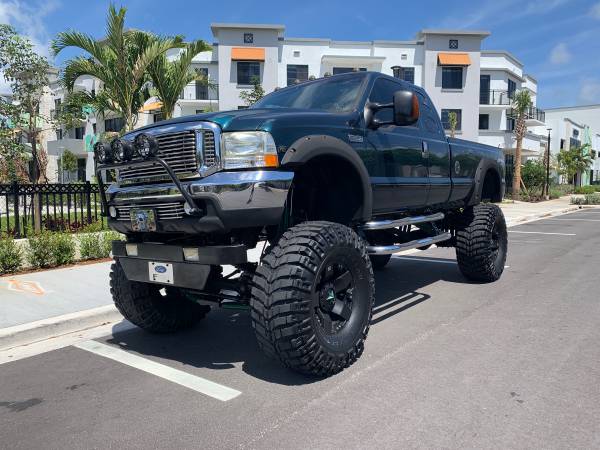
x=296 y=72
x=159 y=117
x=94 y=128
x=404 y=73
x=453 y=44
x=510 y=124
x=248 y=38
x=512 y=87
x=79 y=132
x=243 y=107
x=575 y=133
x=116 y=124
x=562 y=144
x=403 y=56
x=446 y=120
x=452 y=77
x=200 y=111
x=247 y=71
x=340 y=70
x=296 y=54
x=59 y=134
x=202 y=84
x=484 y=121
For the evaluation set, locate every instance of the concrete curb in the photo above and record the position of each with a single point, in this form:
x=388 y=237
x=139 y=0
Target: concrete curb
x=29 y=333
x=532 y=217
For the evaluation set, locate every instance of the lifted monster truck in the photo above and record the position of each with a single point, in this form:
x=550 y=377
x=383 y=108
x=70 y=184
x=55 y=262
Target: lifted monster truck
x=334 y=175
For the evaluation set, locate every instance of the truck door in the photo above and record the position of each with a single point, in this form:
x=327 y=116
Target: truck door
x=399 y=177
x=436 y=150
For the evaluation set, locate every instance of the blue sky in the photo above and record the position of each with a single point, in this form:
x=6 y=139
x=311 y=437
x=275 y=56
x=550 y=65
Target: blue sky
x=557 y=40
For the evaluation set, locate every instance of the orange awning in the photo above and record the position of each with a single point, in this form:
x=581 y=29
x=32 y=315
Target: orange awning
x=151 y=107
x=247 y=54
x=454 y=59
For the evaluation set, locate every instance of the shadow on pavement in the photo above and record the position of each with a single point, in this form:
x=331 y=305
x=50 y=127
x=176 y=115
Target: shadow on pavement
x=226 y=337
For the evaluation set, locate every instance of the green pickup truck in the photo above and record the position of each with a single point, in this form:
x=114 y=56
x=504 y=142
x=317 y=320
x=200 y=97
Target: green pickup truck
x=330 y=178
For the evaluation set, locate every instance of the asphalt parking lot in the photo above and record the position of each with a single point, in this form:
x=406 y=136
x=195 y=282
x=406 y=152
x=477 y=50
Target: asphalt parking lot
x=513 y=364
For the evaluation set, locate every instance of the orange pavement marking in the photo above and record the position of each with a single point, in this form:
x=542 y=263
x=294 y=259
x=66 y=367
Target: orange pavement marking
x=27 y=287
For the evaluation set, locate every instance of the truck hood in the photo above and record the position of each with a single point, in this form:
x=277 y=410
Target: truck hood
x=257 y=119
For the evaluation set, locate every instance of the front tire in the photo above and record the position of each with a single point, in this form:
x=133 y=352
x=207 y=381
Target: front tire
x=312 y=298
x=144 y=305
x=482 y=243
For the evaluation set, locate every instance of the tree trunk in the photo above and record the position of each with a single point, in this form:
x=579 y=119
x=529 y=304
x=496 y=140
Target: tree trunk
x=517 y=169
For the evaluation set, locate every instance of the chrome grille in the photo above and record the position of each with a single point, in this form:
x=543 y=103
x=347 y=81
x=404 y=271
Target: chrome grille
x=179 y=152
x=164 y=211
x=209 y=154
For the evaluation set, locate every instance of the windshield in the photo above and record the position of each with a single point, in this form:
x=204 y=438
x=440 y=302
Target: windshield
x=333 y=94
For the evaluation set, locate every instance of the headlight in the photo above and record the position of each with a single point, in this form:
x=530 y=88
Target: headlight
x=102 y=152
x=248 y=149
x=146 y=145
x=121 y=150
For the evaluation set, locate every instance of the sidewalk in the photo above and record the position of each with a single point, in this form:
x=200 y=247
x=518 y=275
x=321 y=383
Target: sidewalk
x=57 y=299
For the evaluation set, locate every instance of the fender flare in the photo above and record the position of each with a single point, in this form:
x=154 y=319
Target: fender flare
x=485 y=165
x=308 y=147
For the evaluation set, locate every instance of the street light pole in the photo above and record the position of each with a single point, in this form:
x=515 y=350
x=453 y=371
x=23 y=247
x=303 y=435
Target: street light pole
x=548 y=166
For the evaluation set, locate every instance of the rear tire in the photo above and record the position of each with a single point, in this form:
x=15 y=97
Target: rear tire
x=481 y=243
x=379 y=261
x=143 y=304
x=312 y=298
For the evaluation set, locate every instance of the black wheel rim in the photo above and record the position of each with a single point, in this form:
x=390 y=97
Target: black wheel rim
x=334 y=292
x=497 y=243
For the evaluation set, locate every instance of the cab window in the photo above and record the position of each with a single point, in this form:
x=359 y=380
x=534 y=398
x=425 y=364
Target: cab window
x=383 y=92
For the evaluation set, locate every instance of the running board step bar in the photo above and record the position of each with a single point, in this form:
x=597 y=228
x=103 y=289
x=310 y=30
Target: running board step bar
x=384 y=224
x=389 y=249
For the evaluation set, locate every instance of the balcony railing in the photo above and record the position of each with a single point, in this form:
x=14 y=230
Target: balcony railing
x=533 y=113
x=195 y=91
x=495 y=97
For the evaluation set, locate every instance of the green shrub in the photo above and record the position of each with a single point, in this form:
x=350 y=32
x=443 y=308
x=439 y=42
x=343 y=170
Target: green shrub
x=533 y=174
x=93 y=227
x=97 y=245
x=63 y=247
x=11 y=256
x=50 y=249
x=589 y=199
x=39 y=250
x=585 y=189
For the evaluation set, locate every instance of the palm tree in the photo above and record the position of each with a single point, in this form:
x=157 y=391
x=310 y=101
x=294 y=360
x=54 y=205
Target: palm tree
x=169 y=78
x=575 y=160
x=120 y=61
x=521 y=103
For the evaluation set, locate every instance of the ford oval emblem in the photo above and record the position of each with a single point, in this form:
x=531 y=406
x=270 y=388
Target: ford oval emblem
x=160 y=269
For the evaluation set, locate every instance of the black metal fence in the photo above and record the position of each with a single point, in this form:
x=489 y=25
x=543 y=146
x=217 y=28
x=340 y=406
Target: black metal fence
x=60 y=207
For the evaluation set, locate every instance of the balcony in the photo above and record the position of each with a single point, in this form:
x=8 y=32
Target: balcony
x=533 y=116
x=198 y=91
x=495 y=98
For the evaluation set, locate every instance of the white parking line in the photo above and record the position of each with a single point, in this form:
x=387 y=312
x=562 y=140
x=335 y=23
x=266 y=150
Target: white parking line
x=441 y=261
x=580 y=220
x=193 y=382
x=541 y=232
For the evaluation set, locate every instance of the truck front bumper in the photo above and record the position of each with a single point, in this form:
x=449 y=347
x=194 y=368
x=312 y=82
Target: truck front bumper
x=223 y=201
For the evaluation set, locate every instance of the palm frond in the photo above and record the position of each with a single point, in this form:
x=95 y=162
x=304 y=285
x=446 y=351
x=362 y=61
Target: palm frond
x=78 y=40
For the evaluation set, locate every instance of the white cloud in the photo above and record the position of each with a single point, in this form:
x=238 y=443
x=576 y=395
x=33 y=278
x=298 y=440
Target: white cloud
x=589 y=91
x=560 y=54
x=28 y=19
x=595 y=11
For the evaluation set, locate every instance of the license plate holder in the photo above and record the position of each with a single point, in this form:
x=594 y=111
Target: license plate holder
x=160 y=272
x=143 y=219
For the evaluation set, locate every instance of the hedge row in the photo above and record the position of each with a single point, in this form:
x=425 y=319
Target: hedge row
x=49 y=249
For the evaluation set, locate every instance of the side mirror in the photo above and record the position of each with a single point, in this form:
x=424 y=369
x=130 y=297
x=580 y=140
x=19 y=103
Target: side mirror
x=406 y=108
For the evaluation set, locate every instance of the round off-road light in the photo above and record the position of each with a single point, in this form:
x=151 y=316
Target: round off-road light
x=146 y=145
x=187 y=208
x=102 y=152
x=112 y=212
x=121 y=150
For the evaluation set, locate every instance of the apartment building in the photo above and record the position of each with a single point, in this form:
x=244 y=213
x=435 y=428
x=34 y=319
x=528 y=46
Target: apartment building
x=575 y=126
x=459 y=76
